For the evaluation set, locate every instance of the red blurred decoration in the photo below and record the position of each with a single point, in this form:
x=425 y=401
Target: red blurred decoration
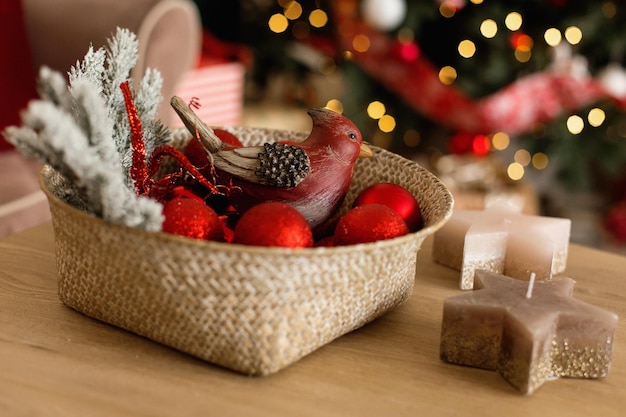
x=273 y=224
x=521 y=40
x=16 y=71
x=464 y=143
x=480 y=145
x=406 y=51
x=396 y=198
x=192 y=218
x=615 y=221
x=369 y=223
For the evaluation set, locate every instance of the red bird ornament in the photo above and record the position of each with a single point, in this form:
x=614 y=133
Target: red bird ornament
x=312 y=176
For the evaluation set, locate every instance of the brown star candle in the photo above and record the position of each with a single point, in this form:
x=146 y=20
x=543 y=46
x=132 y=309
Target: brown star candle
x=502 y=240
x=529 y=332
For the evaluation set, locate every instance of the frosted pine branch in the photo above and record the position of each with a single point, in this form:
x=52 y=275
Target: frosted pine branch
x=82 y=131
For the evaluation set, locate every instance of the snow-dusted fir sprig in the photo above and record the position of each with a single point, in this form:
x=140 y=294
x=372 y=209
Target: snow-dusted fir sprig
x=108 y=68
x=82 y=131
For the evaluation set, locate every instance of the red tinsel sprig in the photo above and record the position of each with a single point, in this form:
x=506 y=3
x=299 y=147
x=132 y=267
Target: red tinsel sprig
x=139 y=168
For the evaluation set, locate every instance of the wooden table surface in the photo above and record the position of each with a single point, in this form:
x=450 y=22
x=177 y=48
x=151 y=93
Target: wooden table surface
x=56 y=362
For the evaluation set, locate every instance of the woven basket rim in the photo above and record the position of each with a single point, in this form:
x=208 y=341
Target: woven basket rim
x=273 y=250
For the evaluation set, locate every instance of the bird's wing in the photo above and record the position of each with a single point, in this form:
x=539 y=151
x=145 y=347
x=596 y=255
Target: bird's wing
x=274 y=164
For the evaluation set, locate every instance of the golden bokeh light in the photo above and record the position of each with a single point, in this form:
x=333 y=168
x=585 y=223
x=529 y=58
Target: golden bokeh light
x=553 y=36
x=467 y=48
x=513 y=21
x=447 y=75
x=596 y=117
x=318 y=18
x=278 y=23
x=293 y=10
x=489 y=28
x=447 y=10
x=540 y=160
x=523 y=54
x=376 y=110
x=361 y=43
x=522 y=157
x=387 y=123
x=575 y=124
x=500 y=141
x=573 y=35
x=515 y=171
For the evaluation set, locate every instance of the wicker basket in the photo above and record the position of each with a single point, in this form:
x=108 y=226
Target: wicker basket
x=254 y=310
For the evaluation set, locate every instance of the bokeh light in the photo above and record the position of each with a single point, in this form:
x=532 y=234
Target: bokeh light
x=513 y=21
x=361 y=43
x=596 y=117
x=573 y=35
x=500 y=141
x=489 y=28
x=278 y=23
x=467 y=48
x=540 y=160
x=318 y=18
x=376 y=110
x=515 y=171
x=387 y=123
x=522 y=157
x=575 y=124
x=552 y=36
x=447 y=75
x=293 y=10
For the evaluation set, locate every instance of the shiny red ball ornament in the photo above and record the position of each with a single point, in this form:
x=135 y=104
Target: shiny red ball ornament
x=273 y=224
x=395 y=197
x=369 y=223
x=191 y=218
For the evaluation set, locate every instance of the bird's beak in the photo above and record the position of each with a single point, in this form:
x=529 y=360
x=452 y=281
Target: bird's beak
x=366 y=151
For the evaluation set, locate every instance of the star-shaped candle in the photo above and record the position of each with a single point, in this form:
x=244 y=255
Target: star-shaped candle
x=502 y=240
x=529 y=332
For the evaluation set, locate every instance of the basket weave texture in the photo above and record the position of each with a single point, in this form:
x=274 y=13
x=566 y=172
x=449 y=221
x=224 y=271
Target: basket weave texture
x=254 y=310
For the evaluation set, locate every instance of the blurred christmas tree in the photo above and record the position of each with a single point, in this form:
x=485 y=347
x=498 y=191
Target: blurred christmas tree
x=540 y=84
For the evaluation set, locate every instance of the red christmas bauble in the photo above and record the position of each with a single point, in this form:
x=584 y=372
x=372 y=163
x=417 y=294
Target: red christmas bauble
x=369 y=223
x=395 y=197
x=273 y=224
x=191 y=218
x=327 y=241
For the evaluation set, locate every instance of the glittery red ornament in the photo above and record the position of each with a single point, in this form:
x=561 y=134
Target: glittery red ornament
x=369 y=223
x=273 y=224
x=395 y=197
x=191 y=218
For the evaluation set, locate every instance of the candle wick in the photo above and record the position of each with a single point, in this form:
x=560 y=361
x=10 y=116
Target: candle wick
x=531 y=283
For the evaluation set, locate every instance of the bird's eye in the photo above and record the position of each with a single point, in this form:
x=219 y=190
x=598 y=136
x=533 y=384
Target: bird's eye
x=352 y=136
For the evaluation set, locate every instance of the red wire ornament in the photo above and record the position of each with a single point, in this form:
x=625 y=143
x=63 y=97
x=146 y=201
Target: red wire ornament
x=144 y=169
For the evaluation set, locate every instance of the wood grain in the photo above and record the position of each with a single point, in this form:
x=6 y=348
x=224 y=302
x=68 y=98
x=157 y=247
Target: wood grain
x=56 y=362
